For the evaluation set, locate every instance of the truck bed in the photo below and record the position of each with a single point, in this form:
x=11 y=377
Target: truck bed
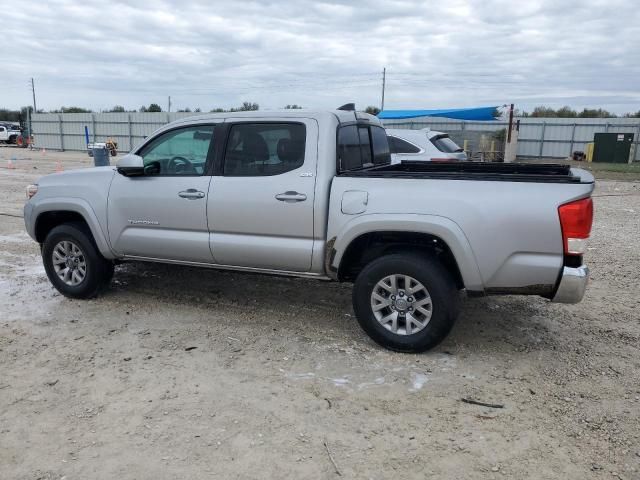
x=508 y=172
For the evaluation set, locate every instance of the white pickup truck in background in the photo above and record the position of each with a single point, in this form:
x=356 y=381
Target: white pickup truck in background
x=9 y=133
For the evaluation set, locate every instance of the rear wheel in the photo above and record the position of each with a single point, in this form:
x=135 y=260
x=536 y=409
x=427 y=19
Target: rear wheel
x=73 y=263
x=406 y=302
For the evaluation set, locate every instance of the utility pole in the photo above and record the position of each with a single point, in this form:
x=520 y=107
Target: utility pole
x=169 y=104
x=33 y=91
x=510 y=123
x=384 y=79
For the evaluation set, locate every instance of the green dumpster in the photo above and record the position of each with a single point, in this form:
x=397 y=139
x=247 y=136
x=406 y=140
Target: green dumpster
x=612 y=147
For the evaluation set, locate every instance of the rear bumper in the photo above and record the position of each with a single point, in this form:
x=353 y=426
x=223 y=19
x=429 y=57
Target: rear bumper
x=572 y=286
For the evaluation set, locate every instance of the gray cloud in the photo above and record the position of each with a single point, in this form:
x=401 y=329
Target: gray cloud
x=322 y=54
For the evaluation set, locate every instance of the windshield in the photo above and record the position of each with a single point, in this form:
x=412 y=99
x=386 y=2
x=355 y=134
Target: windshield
x=445 y=144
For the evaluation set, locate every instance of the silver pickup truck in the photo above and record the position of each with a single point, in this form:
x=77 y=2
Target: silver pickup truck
x=314 y=194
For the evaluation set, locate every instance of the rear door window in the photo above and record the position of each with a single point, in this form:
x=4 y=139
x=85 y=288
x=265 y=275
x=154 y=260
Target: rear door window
x=263 y=149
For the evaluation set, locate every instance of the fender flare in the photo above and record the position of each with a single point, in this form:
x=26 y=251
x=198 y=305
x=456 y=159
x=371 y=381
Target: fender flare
x=442 y=227
x=79 y=206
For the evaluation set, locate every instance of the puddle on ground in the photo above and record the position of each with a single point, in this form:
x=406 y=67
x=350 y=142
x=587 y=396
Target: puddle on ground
x=415 y=380
x=22 y=237
x=419 y=379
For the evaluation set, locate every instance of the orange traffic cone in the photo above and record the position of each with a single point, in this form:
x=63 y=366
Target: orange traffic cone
x=59 y=167
x=10 y=164
x=44 y=151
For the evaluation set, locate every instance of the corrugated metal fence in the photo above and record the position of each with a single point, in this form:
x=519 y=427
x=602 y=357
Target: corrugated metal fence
x=65 y=131
x=550 y=137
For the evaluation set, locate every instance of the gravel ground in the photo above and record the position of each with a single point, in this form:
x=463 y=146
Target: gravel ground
x=182 y=373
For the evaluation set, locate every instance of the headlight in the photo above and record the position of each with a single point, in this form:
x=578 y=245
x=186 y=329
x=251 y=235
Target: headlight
x=32 y=190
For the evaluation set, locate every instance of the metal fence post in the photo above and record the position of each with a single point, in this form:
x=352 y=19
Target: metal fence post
x=130 y=133
x=544 y=126
x=93 y=126
x=464 y=140
x=573 y=136
x=606 y=127
x=636 y=157
x=61 y=134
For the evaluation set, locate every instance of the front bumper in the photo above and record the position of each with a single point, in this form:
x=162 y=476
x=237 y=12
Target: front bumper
x=572 y=286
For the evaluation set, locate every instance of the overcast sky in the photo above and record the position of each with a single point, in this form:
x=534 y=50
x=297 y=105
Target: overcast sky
x=449 y=53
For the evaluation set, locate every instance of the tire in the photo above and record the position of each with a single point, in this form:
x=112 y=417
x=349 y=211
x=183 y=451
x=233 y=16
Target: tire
x=74 y=241
x=421 y=323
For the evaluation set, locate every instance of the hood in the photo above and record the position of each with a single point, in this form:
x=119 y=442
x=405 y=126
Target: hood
x=86 y=183
x=78 y=176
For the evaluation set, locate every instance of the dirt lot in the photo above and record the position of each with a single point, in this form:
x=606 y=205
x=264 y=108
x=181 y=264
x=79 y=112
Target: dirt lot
x=184 y=373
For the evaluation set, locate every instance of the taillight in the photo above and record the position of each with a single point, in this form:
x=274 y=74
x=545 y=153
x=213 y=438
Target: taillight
x=576 y=219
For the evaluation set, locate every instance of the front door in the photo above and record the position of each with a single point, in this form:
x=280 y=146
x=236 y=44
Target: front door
x=163 y=214
x=260 y=205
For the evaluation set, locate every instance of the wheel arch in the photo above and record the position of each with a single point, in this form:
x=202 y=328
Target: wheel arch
x=57 y=212
x=365 y=239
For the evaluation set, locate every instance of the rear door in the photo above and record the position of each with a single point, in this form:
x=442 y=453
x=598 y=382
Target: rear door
x=163 y=214
x=261 y=198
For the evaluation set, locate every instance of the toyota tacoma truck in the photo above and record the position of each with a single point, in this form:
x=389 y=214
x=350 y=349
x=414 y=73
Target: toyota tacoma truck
x=314 y=194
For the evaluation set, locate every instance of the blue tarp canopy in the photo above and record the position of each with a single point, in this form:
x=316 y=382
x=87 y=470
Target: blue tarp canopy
x=480 y=113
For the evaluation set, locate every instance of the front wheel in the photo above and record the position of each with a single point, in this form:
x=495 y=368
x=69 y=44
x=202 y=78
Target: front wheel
x=73 y=263
x=406 y=302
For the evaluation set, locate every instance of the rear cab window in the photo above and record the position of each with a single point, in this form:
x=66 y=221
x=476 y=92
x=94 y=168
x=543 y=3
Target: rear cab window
x=362 y=146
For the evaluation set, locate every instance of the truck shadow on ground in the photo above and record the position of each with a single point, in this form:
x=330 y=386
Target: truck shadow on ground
x=503 y=323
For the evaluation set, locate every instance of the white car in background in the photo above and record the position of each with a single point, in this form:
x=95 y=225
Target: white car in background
x=423 y=145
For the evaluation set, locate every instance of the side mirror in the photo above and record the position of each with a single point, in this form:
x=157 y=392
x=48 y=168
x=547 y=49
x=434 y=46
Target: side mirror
x=130 y=165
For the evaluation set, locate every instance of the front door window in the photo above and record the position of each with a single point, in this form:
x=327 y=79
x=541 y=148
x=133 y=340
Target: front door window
x=182 y=151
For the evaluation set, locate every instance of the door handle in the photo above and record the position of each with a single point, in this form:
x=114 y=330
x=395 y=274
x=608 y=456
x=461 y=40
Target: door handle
x=191 y=194
x=291 y=197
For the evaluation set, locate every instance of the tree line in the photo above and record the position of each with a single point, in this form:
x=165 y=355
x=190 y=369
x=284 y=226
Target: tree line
x=9 y=115
x=568 y=112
